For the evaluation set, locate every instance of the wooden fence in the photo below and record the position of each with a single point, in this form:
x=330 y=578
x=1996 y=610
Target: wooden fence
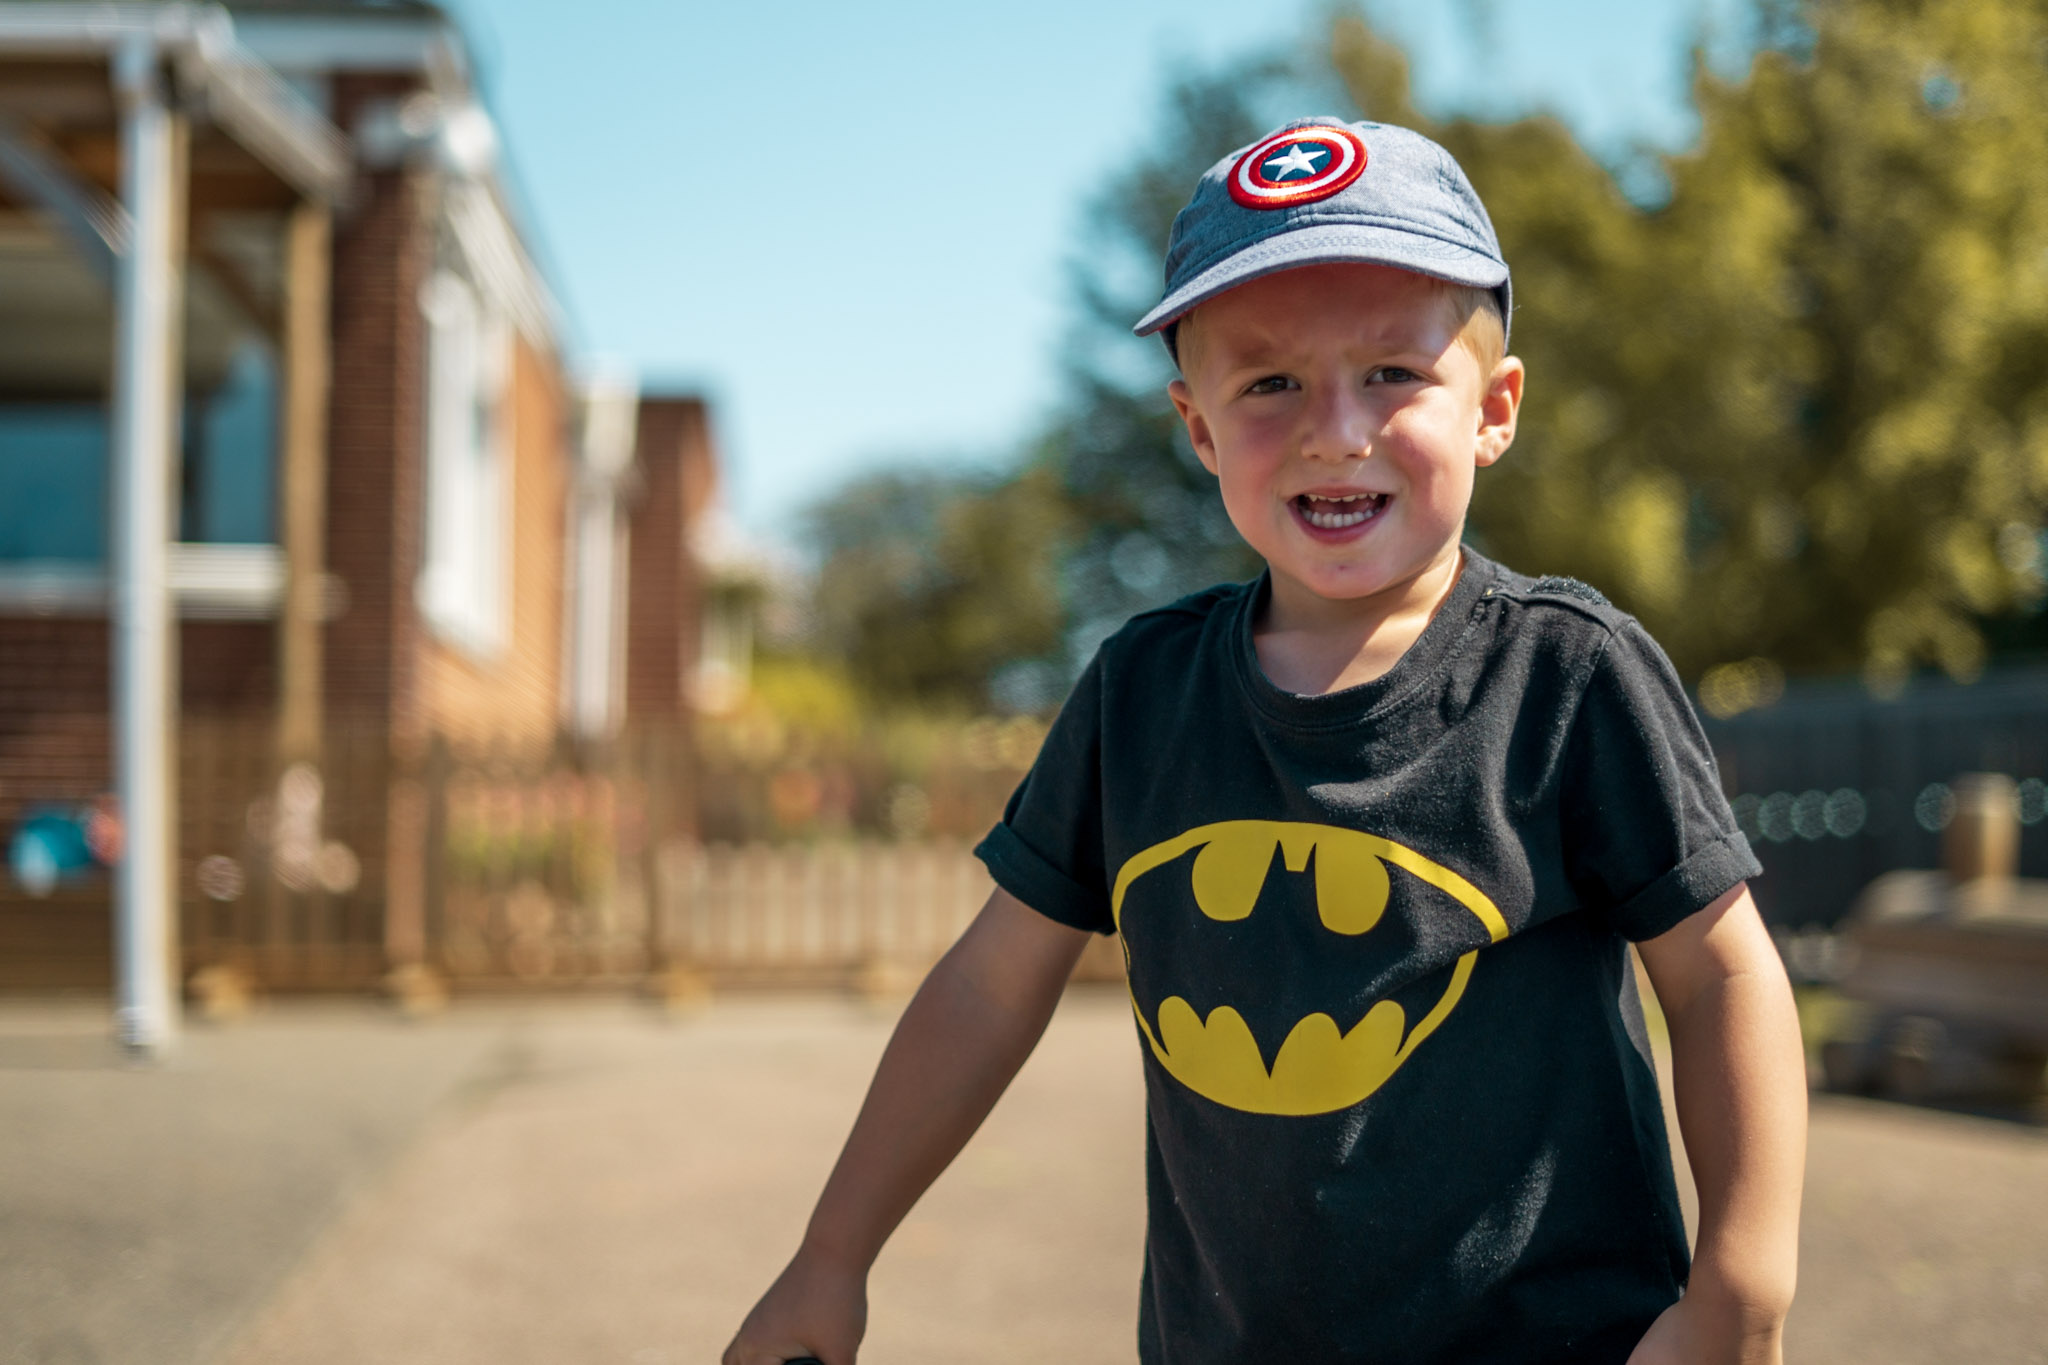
x=506 y=870
x=823 y=913
x=280 y=874
x=861 y=914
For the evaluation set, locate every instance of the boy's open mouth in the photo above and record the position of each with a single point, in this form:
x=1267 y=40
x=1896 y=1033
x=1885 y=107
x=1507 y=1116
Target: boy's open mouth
x=1338 y=514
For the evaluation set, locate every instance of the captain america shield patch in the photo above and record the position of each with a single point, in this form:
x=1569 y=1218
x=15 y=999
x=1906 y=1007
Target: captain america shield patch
x=1297 y=166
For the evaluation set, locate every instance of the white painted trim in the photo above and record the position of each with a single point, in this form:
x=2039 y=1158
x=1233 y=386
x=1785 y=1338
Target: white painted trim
x=207 y=582
x=498 y=262
x=268 y=117
x=304 y=43
x=52 y=588
x=277 y=124
x=464 y=589
x=228 y=582
x=608 y=418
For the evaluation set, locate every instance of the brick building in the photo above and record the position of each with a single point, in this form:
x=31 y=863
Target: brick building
x=400 y=522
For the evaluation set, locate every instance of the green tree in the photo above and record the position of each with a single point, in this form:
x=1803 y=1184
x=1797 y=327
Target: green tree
x=1150 y=525
x=937 y=590
x=1800 y=410
x=1797 y=411
x=986 y=593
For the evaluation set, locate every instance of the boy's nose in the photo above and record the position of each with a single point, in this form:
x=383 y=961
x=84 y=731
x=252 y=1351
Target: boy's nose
x=1339 y=428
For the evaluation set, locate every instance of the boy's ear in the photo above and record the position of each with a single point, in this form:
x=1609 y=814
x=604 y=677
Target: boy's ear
x=1199 y=435
x=1499 y=406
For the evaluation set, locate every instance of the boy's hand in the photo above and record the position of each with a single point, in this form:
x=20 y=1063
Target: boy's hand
x=1691 y=1332
x=812 y=1309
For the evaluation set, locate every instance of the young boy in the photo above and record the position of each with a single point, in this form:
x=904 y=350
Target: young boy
x=1375 y=831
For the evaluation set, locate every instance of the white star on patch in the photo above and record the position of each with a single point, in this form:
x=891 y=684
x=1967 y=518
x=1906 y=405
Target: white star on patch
x=1296 y=158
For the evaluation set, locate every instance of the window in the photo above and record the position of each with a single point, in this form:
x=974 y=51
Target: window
x=57 y=477
x=464 y=586
x=53 y=482
x=54 y=468
x=230 y=492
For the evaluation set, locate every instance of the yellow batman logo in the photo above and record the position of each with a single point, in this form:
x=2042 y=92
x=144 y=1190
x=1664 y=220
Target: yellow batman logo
x=1318 y=1069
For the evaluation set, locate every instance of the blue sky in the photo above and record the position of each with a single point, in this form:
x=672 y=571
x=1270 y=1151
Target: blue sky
x=847 y=224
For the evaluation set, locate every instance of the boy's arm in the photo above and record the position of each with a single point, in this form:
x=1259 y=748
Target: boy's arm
x=964 y=1035
x=1739 y=1073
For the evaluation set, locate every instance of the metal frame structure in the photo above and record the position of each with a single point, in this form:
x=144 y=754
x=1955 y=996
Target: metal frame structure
x=152 y=51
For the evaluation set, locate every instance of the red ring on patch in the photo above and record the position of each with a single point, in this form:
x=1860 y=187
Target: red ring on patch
x=1269 y=176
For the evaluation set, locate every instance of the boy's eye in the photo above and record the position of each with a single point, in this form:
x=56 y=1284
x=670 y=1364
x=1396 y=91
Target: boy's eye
x=1392 y=374
x=1272 y=383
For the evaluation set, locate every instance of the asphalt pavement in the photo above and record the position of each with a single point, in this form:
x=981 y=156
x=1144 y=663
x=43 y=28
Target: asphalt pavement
x=557 y=1181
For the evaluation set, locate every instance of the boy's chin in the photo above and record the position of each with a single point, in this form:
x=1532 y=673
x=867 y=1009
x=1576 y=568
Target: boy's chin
x=1335 y=589
x=1361 y=585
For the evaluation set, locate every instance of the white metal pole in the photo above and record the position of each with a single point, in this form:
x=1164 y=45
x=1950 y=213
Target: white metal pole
x=594 y=614
x=142 y=449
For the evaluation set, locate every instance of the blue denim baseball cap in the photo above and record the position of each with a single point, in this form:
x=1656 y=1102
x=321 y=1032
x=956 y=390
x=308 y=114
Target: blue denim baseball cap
x=1320 y=191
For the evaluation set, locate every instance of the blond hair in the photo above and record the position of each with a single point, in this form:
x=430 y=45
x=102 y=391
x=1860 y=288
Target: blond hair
x=1482 y=329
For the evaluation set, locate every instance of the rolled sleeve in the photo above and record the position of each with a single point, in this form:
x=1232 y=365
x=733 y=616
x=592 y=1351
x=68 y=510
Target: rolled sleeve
x=1692 y=886
x=1034 y=879
x=1650 y=838
x=1047 y=851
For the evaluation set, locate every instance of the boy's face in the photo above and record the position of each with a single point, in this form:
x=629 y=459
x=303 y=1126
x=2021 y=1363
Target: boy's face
x=1345 y=419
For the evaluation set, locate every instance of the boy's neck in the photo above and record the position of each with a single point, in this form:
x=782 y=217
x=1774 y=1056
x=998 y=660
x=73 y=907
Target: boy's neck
x=1311 y=645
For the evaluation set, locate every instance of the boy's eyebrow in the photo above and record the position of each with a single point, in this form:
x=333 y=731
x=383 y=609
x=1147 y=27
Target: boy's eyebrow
x=1273 y=349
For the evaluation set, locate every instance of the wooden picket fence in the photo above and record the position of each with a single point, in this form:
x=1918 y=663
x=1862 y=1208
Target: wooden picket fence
x=279 y=874
x=813 y=914
x=504 y=870
x=856 y=914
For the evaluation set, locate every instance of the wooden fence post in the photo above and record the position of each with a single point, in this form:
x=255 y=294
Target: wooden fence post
x=414 y=848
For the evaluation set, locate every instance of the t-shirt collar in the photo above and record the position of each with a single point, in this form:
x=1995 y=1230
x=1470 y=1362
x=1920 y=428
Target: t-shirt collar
x=1438 y=641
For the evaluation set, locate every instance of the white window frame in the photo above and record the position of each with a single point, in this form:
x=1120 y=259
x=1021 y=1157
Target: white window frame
x=464 y=587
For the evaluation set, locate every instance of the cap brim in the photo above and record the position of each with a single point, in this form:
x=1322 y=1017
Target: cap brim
x=1329 y=244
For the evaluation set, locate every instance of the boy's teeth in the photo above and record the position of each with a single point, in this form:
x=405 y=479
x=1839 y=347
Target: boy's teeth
x=1334 y=514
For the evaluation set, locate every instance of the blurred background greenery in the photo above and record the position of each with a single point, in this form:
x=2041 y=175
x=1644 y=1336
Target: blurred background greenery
x=1788 y=395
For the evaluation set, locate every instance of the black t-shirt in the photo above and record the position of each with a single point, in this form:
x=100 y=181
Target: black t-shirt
x=1400 y=1102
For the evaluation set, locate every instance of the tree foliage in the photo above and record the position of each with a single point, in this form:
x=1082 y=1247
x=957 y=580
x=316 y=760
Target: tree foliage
x=987 y=594
x=930 y=587
x=1800 y=411
x=1795 y=414
x=1150 y=524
